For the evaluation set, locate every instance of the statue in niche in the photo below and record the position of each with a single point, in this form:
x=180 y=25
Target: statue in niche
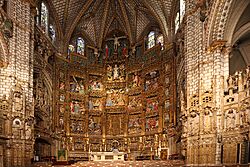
x=76 y=107
x=147 y=84
x=62 y=98
x=166 y=92
x=109 y=73
x=194 y=123
x=97 y=104
x=61 y=123
x=106 y=51
x=28 y=132
x=122 y=72
x=120 y=100
x=136 y=80
x=115 y=72
x=184 y=123
x=18 y=98
x=73 y=87
x=247 y=115
x=166 y=118
x=61 y=109
x=125 y=51
x=109 y=101
x=230 y=119
x=91 y=105
x=207 y=123
x=230 y=82
x=166 y=80
x=243 y=118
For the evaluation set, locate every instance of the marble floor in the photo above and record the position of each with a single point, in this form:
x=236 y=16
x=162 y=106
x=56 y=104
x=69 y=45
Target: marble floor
x=117 y=164
x=128 y=164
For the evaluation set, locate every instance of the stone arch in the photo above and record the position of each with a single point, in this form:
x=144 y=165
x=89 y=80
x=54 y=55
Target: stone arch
x=239 y=7
x=240 y=32
x=224 y=18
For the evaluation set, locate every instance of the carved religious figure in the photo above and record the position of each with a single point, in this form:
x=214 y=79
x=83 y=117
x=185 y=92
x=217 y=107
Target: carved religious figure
x=136 y=80
x=109 y=101
x=230 y=119
x=116 y=41
x=109 y=73
x=193 y=122
x=115 y=72
x=207 y=122
x=122 y=72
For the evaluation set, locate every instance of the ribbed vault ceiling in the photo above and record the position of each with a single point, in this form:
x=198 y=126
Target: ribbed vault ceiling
x=96 y=18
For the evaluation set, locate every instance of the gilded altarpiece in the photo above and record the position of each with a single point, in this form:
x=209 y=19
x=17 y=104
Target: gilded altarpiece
x=126 y=106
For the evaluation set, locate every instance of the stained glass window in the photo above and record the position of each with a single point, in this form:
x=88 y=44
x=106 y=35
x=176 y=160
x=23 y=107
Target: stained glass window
x=177 y=22
x=37 y=16
x=182 y=9
x=44 y=17
x=151 y=39
x=52 y=33
x=71 y=49
x=80 y=46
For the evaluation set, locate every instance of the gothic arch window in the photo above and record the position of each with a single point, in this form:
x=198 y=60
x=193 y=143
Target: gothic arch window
x=37 y=16
x=177 y=21
x=182 y=9
x=44 y=17
x=80 y=44
x=52 y=33
x=151 y=40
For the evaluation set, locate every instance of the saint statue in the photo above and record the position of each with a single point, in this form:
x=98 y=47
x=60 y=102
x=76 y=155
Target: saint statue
x=115 y=72
x=109 y=72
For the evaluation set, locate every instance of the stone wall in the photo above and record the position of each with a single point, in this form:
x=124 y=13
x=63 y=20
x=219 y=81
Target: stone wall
x=212 y=104
x=16 y=85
